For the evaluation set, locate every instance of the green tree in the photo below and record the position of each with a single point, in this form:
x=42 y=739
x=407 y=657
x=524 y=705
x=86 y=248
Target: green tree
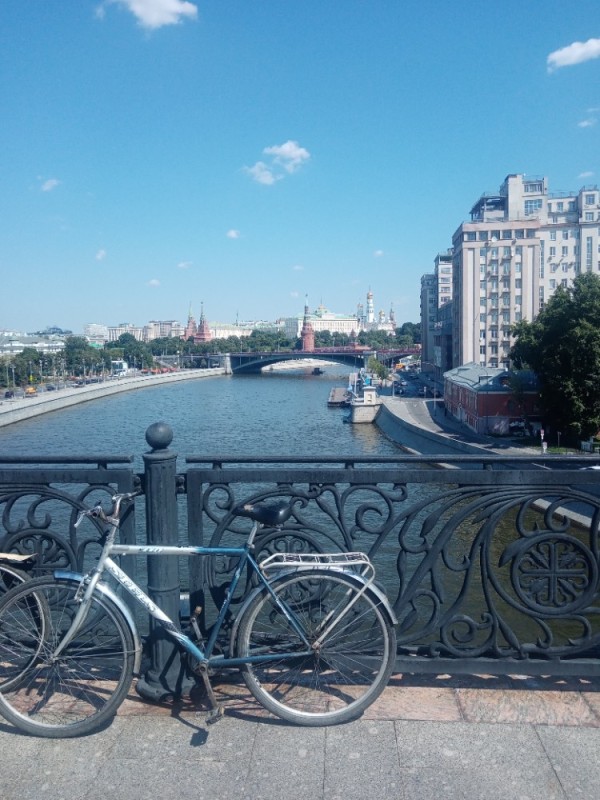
x=377 y=368
x=562 y=346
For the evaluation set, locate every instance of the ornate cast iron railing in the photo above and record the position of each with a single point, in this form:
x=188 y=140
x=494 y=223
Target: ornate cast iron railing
x=492 y=564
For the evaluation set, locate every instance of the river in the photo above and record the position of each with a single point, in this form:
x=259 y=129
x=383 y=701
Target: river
x=280 y=412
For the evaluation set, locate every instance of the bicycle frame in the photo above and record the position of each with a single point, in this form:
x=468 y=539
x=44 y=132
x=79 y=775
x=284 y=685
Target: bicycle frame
x=203 y=655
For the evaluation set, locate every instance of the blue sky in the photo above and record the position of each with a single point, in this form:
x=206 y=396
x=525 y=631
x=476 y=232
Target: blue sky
x=246 y=154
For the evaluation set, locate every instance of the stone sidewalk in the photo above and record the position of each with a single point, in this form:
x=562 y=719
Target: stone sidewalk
x=478 y=738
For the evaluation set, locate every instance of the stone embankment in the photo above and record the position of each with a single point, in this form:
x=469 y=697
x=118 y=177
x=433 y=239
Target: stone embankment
x=17 y=409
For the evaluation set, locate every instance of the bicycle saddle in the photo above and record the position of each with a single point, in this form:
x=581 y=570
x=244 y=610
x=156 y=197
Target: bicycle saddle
x=266 y=514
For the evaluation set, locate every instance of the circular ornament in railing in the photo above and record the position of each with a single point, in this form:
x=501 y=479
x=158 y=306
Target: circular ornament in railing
x=554 y=575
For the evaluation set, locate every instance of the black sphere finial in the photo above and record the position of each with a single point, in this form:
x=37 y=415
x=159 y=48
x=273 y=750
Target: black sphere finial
x=159 y=435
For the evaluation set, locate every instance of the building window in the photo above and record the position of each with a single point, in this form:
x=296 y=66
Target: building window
x=535 y=187
x=470 y=236
x=552 y=251
x=518 y=283
x=565 y=234
x=572 y=205
x=589 y=216
x=520 y=233
x=507 y=234
x=559 y=206
x=495 y=235
x=506 y=252
x=531 y=233
x=564 y=251
x=553 y=236
x=483 y=236
x=590 y=199
x=532 y=207
x=552 y=283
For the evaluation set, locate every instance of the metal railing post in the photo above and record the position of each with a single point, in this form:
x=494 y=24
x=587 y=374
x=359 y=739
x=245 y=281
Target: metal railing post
x=166 y=674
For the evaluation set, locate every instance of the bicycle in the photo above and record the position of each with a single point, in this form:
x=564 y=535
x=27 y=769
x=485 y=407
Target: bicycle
x=314 y=640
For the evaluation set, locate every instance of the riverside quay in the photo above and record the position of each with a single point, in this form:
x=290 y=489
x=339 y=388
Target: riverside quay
x=490 y=562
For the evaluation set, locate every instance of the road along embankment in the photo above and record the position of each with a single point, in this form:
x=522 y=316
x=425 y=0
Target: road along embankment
x=394 y=421
x=15 y=410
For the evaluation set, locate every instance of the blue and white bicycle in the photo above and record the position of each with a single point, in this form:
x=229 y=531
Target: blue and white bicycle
x=315 y=640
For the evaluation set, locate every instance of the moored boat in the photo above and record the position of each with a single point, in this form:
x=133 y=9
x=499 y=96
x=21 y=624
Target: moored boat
x=365 y=407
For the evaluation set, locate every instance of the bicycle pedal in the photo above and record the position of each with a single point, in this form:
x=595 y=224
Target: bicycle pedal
x=214 y=715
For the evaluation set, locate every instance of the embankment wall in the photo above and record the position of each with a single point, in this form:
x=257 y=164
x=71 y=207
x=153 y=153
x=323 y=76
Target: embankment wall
x=15 y=410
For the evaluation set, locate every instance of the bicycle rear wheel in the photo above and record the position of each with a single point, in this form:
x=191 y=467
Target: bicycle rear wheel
x=10 y=577
x=75 y=693
x=326 y=682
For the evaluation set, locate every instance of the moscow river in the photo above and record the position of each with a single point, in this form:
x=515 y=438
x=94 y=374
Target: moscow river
x=281 y=412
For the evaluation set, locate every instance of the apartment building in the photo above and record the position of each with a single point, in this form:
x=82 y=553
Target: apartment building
x=519 y=245
x=436 y=302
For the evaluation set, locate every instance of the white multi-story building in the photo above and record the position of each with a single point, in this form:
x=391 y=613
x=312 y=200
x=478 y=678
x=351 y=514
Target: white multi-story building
x=518 y=247
x=322 y=320
x=163 y=329
x=96 y=334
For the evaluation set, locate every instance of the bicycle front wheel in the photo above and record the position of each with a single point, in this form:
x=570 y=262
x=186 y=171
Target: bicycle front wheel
x=76 y=692
x=339 y=663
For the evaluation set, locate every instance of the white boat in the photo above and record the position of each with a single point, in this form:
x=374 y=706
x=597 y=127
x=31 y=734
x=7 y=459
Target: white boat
x=364 y=407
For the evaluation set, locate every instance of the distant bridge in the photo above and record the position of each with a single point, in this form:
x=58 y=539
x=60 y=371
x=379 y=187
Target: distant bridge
x=244 y=363
x=354 y=357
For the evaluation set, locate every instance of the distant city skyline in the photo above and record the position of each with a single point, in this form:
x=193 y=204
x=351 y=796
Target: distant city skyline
x=157 y=152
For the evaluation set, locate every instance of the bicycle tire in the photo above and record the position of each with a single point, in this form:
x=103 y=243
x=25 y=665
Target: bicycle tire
x=79 y=691
x=24 y=652
x=336 y=682
x=10 y=577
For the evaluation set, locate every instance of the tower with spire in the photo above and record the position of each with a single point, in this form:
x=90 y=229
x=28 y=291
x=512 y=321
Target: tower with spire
x=203 y=333
x=307 y=333
x=191 y=328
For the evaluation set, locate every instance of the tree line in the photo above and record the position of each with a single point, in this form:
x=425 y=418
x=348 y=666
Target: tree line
x=79 y=359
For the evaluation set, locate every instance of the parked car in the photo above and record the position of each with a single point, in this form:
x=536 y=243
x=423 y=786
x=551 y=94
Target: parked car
x=8 y=394
x=30 y=391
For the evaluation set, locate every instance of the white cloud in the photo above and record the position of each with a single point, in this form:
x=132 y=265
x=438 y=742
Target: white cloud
x=285 y=158
x=587 y=174
x=378 y=253
x=50 y=184
x=294 y=294
x=154 y=282
x=233 y=234
x=297 y=267
x=575 y=53
x=262 y=174
x=154 y=14
x=184 y=265
x=288 y=155
x=587 y=123
x=101 y=254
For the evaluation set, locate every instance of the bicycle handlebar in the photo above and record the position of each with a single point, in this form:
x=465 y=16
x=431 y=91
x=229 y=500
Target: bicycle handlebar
x=98 y=512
